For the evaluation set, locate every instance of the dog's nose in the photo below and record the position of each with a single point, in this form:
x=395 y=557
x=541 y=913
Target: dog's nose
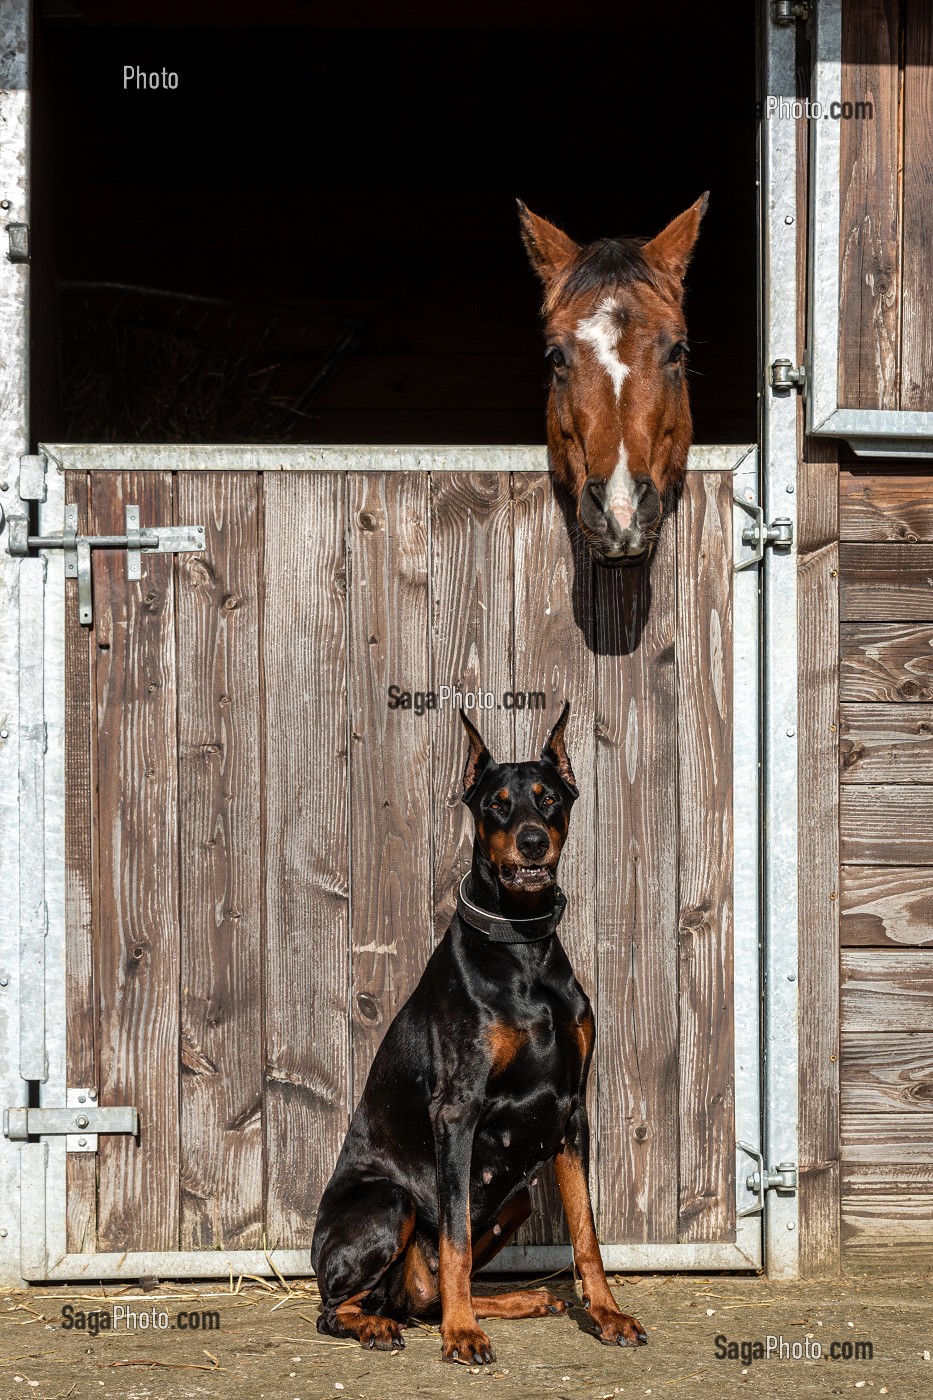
x=532 y=842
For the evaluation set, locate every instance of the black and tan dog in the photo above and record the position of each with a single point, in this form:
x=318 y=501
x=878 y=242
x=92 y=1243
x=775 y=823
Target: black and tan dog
x=480 y=1079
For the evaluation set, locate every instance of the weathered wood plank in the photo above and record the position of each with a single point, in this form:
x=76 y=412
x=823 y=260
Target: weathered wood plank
x=917 y=312
x=219 y=777
x=886 y=906
x=636 y=865
x=704 y=749
x=869 y=243
x=886 y=582
x=881 y=1073
x=886 y=661
x=306 y=950
x=139 y=962
x=471 y=630
x=886 y=825
x=885 y=506
x=80 y=881
x=902 y=1140
x=390 y=759
x=553 y=625
x=886 y=743
x=818 y=838
x=884 y=989
x=887 y=1231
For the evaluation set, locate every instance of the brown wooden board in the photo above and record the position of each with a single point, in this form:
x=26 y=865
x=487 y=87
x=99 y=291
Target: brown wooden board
x=704 y=751
x=889 y=1231
x=901 y=1140
x=391 y=800
x=886 y=582
x=304 y=742
x=885 y=505
x=886 y=661
x=219 y=764
x=917 y=106
x=471 y=644
x=886 y=743
x=636 y=869
x=870 y=231
x=886 y=825
x=552 y=656
x=886 y=1071
x=884 y=906
x=139 y=953
x=884 y=989
x=80 y=902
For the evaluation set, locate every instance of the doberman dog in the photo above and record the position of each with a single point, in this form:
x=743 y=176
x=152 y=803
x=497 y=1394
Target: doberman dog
x=479 y=1080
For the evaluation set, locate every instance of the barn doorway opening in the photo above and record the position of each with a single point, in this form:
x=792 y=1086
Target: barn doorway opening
x=310 y=234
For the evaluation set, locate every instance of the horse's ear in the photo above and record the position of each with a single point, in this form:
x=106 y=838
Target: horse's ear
x=670 y=252
x=550 y=250
x=478 y=759
x=555 y=750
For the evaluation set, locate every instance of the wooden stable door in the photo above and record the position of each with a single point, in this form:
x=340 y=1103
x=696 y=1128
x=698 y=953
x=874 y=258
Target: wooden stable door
x=262 y=846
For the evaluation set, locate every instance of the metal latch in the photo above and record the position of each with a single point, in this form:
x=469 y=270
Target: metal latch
x=782 y=1179
x=785 y=376
x=160 y=539
x=789 y=11
x=80 y=1123
x=18 y=243
x=779 y=534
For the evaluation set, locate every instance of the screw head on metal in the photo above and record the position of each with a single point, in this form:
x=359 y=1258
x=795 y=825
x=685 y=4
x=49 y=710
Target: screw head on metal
x=3 y=1232
x=4 y=734
x=82 y=1098
x=92 y=1093
x=790 y=1225
x=792 y=977
x=82 y=1142
x=789 y=489
x=4 y=981
x=791 y=733
x=788 y=219
x=4 y=486
x=82 y=1120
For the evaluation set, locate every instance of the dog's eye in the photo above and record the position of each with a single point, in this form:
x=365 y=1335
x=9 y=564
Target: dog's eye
x=548 y=801
x=495 y=807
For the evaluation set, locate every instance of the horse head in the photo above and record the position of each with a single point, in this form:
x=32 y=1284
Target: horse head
x=618 y=410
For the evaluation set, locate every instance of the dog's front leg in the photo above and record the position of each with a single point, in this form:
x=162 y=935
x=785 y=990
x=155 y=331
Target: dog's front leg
x=572 y=1169
x=455 y=1118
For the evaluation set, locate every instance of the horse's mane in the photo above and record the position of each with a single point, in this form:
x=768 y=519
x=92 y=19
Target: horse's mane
x=610 y=263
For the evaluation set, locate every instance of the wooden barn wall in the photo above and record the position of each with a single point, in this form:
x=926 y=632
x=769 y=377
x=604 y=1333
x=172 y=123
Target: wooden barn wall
x=261 y=855
x=886 y=220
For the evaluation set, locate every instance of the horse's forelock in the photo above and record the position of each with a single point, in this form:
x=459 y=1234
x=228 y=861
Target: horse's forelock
x=607 y=265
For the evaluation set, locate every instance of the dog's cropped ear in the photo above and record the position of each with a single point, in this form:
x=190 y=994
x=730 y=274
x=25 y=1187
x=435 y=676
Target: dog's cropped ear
x=555 y=751
x=478 y=759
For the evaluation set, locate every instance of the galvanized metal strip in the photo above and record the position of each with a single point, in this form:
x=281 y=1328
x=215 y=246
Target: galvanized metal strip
x=32 y=928
x=31 y=1189
x=779 y=584
x=131 y=457
x=14 y=443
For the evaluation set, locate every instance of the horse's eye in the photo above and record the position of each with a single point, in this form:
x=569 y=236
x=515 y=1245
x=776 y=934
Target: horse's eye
x=556 y=356
x=677 y=353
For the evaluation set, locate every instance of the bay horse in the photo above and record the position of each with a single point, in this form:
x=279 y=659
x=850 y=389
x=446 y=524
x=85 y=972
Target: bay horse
x=618 y=410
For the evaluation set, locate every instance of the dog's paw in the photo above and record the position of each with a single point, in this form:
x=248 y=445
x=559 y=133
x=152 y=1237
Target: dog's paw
x=617 y=1329
x=466 y=1344
x=551 y=1303
x=381 y=1334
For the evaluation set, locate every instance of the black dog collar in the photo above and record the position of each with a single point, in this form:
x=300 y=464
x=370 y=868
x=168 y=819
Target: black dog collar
x=501 y=930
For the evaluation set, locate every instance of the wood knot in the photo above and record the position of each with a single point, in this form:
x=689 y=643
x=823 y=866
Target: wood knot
x=367 y=521
x=232 y=601
x=641 y=1132
x=368 y=1007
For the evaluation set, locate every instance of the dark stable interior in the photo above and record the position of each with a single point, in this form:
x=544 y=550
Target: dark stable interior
x=313 y=238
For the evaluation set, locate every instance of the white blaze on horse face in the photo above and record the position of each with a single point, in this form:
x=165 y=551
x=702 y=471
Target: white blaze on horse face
x=601 y=330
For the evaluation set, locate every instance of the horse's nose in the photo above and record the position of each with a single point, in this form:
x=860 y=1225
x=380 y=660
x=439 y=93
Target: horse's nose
x=532 y=842
x=647 y=502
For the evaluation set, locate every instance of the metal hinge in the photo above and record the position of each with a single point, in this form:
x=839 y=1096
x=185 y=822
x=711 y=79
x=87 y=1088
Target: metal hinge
x=158 y=539
x=80 y=1123
x=789 y=11
x=18 y=243
x=779 y=534
x=782 y=1179
x=785 y=376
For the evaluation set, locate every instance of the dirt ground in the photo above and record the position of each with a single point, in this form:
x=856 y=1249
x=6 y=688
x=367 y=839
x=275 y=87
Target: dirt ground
x=266 y=1344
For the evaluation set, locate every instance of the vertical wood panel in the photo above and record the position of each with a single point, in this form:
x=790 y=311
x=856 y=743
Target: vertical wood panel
x=917 y=312
x=391 y=802
x=869 y=244
x=704 y=744
x=818 y=901
x=306 y=948
x=138 y=801
x=553 y=626
x=80 y=853
x=636 y=871
x=471 y=630
x=221 y=880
